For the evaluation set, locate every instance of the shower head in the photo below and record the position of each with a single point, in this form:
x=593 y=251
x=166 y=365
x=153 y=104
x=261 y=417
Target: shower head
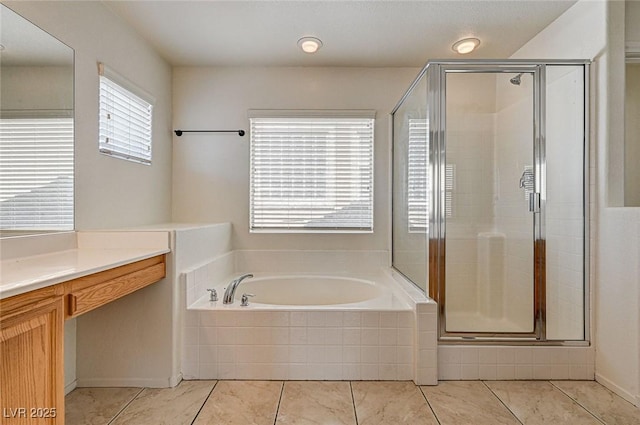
x=516 y=80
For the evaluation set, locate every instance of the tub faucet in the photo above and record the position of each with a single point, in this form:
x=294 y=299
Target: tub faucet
x=230 y=293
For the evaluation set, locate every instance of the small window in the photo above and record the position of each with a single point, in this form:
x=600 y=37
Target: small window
x=36 y=173
x=125 y=119
x=311 y=171
x=418 y=182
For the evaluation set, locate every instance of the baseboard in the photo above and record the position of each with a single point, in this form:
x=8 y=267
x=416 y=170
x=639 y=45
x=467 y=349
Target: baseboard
x=70 y=387
x=128 y=382
x=617 y=389
x=175 y=380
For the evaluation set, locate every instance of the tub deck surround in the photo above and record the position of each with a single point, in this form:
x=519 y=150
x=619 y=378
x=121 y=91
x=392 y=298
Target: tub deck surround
x=309 y=292
x=93 y=252
x=378 y=330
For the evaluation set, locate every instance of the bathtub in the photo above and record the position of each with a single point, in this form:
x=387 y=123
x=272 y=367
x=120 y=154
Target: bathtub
x=310 y=326
x=310 y=292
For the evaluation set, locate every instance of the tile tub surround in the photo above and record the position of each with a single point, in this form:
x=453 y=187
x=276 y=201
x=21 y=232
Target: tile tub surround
x=300 y=345
x=306 y=344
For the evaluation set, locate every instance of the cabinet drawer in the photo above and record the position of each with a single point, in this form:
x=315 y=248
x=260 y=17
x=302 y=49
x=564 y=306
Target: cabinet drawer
x=93 y=291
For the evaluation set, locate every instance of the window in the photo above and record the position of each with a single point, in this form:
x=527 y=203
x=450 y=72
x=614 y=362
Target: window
x=36 y=173
x=312 y=171
x=418 y=182
x=125 y=119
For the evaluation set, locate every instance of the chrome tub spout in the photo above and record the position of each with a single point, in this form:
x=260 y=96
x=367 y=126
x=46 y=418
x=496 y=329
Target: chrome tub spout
x=230 y=293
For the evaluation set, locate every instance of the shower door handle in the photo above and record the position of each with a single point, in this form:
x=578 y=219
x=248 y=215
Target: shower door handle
x=534 y=202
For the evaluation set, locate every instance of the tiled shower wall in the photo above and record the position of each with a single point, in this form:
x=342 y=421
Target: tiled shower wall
x=565 y=221
x=485 y=116
x=513 y=145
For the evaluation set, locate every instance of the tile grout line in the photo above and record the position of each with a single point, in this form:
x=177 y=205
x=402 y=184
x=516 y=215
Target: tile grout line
x=205 y=401
x=578 y=403
x=125 y=406
x=429 y=404
x=275 y=419
x=353 y=402
x=501 y=402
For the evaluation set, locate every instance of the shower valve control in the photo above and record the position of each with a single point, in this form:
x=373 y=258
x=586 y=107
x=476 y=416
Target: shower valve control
x=244 y=301
x=213 y=295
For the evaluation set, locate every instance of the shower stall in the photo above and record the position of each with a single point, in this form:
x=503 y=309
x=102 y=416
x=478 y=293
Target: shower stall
x=490 y=198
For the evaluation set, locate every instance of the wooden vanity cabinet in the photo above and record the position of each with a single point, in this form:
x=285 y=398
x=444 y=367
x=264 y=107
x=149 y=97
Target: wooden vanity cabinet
x=89 y=292
x=32 y=337
x=31 y=358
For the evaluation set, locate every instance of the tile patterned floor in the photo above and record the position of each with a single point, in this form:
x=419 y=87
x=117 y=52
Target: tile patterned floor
x=352 y=403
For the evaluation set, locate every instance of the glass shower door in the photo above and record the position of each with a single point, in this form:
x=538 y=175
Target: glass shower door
x=489 y=173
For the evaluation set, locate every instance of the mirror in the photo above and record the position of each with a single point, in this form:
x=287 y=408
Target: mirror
x=36 y=129
x=632 y=132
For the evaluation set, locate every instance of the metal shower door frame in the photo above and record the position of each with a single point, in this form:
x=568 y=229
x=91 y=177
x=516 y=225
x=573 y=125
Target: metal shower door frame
x=437 y=220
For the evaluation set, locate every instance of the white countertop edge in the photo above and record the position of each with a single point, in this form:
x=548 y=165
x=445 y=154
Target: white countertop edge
x=42 y=281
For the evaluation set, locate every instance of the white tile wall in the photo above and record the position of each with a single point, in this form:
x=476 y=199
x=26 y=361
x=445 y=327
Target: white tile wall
x=300 y=345
x=350 y=345
x=317 y=261
x=297 y=345
x=426 y=344
x=456 y=362
x=207 y=275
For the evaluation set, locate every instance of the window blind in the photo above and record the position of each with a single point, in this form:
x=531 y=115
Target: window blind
x=36 y=173
x=311 y=174
x=418 y=178
x=418 y=182
x=125 y=123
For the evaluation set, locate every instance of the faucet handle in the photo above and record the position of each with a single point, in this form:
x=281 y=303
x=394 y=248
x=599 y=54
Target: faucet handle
x=244 y=301
x=213 y=295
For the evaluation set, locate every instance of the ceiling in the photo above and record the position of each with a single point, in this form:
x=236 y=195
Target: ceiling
x=355 y=33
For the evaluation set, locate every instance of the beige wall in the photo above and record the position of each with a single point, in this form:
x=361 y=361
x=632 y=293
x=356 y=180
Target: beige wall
x=632 y=135
x=594 y=30
x=632 y=107
x=211 y=172
x=36 y=87
x=632 y=21
x=109 y=192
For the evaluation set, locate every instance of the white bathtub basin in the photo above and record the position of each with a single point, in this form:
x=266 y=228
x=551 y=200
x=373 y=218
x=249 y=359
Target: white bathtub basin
x=308 y=290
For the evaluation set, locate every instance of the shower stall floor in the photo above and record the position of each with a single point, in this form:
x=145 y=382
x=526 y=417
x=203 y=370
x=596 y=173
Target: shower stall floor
x=465 y=321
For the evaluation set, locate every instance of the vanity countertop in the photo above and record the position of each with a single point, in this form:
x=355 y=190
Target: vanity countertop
x=93 y=254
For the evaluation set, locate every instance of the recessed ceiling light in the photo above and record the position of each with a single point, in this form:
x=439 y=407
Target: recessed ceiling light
x=310 y=44
x=466 y=45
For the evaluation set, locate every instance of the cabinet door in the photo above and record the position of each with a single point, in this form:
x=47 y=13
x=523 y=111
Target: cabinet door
x=31 y=364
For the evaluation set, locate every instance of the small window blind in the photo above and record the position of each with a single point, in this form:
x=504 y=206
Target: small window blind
x=419 y=178
x=125 y=121
x=36 y=174
x=418 y=182
x=312 y=173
